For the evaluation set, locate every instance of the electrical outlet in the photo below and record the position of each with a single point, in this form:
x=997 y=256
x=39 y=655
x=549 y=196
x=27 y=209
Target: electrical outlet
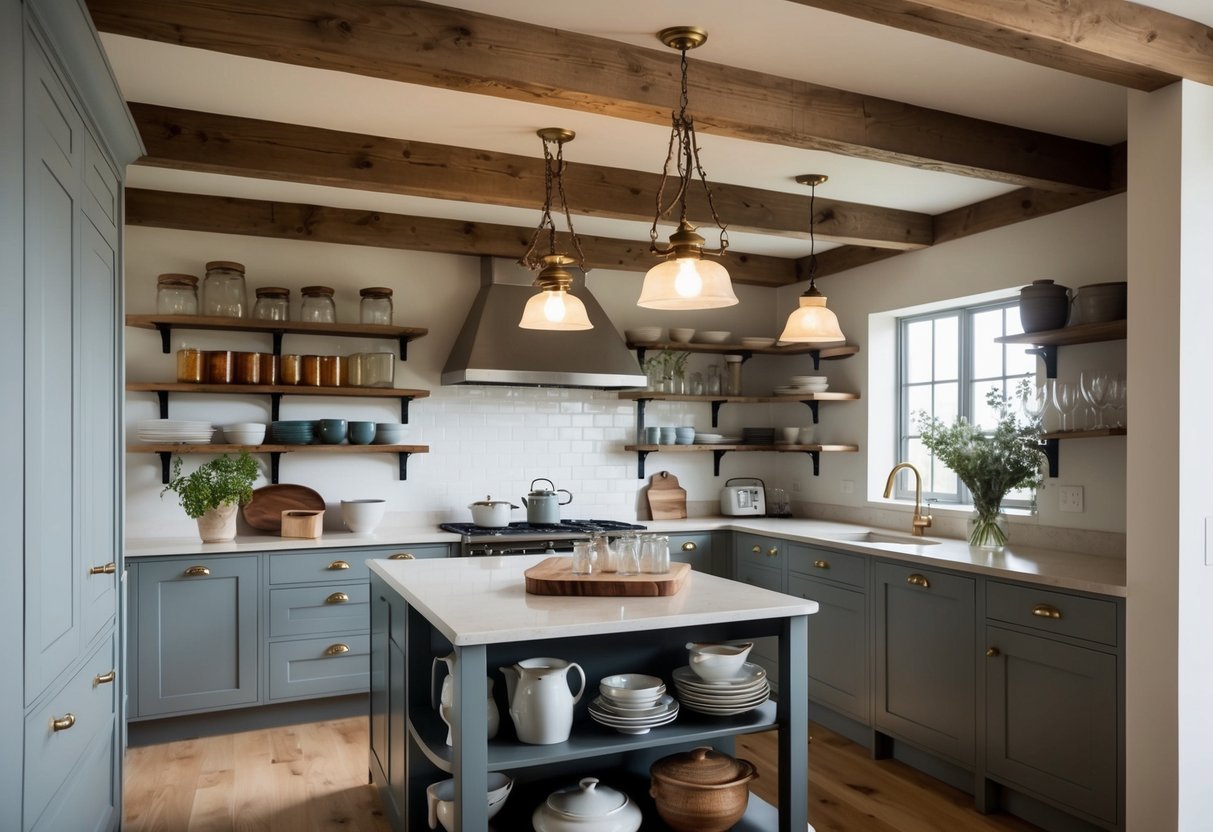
x=1070 y=498
x=795 y=486
x=848 y=486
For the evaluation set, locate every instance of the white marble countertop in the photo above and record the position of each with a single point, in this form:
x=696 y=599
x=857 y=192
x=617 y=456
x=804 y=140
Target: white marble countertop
x=484 y=601
x=1048 y=567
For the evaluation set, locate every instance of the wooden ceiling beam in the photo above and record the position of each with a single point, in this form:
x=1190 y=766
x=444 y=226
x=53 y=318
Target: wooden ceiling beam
x=317 y=223
x=187 y=140
x=1116 y=41
x=454 y=49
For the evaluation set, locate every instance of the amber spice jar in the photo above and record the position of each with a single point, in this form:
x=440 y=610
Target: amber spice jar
x=189 y=365
x=247 y=367
x=219 y=366
x=332 y=370
x=269 y=368
x=310 y=375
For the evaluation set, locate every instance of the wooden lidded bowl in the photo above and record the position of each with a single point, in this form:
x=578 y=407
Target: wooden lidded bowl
x=701 y=790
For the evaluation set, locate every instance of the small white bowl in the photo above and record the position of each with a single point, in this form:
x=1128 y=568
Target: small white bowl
x=631 y=687
x=362 y=516
x=440 y=798
x=712 y=336
x=718 y=662
x=643 y=334
x=755 y=342
x=244 y=433
x=390 y=433
x=681 y=335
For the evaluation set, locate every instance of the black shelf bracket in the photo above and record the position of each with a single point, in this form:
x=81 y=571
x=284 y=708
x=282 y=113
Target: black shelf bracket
x=746 y=355
x=1047 y=354
x=816 y=461
x=162 y=395
x=716 y=457
x=277 y=342
x=640 y=351
x=816 y=356
x=716 y=412
x=640 y=457
x=813 y=407
x=166 y=458
x=166 y=338
x=275 y=406
x=1052 y=452
x=404 y=352
x=275 y=459
x=404 y=463
x=404 y=413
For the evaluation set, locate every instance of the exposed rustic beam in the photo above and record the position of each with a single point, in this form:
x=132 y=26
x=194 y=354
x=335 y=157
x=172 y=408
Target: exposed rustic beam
x=1110 y=40
x=470 y=52
x=317 y=223
x=188 y=140
x=843 y=259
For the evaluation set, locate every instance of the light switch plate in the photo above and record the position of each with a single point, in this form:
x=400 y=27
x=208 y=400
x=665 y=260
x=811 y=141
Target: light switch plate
x=848 y=486
x=1070 y=498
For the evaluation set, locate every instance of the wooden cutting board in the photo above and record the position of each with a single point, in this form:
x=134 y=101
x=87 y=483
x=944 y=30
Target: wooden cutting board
x=666 y=500
x=554 y=576
x=264 y=511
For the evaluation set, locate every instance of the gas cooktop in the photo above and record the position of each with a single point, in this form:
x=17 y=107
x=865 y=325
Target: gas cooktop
x=564 y=527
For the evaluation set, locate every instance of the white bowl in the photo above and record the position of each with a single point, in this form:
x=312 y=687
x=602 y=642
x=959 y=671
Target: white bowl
x=718 y=662
x=441 y=799
x=389 y=433
x=643 y=334
x=362 y=516
x=712 y=336
x=244 y=433
x=681 y=334
x=631 y=687
x=756 y=342
x=801 y=381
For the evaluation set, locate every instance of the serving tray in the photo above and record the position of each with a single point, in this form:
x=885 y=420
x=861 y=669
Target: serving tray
x=554 y=576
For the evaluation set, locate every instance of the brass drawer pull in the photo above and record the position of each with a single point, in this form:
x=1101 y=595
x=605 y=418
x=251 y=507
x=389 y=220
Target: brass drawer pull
x=993 y=652
x=336 y=649
x=337 y=598
x=195 y=571
x=689 y=546
x=109 y=569
x=402 y=556
x=338 y=564
x=105 y=678
x=919 y=580
x=1046 y=611
x=773 y=552
x=821 y=564
x=63 y=723
x=757 y=549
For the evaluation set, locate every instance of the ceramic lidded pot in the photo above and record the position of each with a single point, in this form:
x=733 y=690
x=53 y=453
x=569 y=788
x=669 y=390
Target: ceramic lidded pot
x=701 y=790
x=1098 y=303
x=1043 y=305
x=587 y=807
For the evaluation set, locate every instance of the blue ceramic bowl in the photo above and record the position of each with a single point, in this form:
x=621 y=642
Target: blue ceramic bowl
x=332 y=431
x=362 y=433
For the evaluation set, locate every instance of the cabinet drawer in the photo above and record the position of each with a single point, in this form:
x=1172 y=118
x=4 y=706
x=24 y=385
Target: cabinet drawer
x=690 y=548
x=318 y=666
x=751 y=548
x=328 y=608
x=306 y=567
x=88 y=801
x=760 y=576
x=1093 y=619
x=50 y=754
x=845 y=568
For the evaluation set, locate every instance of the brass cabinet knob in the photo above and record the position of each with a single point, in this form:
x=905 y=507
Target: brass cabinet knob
x=336 y=649
x=108 y=569
x=402 y=556
x=105 y=678
x=993 y=652
x=918 y=580
x=338 y=564
x=757 y=549
x=773 y=552
x=821 y=564
x=62 y=723
x=195 y=571
x=1046 y=611
x=689 y=546
x=337 y=598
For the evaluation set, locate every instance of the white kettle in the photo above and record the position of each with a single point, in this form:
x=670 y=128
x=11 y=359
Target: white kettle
x=541 y=703
x=446 y=701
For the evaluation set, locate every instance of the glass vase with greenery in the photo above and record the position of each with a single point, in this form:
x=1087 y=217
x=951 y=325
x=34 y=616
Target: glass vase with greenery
x=990 y=463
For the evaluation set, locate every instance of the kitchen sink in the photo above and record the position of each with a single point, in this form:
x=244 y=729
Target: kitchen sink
x=882 y=537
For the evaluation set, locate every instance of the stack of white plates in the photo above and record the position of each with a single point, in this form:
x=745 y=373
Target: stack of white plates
x=628 y=719
x=745 y=692
x=165 y=431
x=715 y=439
x=799 y=385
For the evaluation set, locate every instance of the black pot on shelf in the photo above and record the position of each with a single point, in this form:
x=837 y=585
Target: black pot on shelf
x=1044 y=305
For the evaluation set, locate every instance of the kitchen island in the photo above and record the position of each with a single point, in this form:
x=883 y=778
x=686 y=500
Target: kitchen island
x=478 y=609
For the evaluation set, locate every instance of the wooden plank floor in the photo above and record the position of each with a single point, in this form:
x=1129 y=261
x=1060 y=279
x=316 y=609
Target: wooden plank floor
x=312 y=778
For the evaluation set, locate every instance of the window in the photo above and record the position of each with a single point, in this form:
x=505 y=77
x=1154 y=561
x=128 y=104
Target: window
x=949 y=361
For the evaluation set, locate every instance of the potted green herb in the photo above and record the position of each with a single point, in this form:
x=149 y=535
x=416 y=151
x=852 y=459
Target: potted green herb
x=989 y=464
x=212 y=493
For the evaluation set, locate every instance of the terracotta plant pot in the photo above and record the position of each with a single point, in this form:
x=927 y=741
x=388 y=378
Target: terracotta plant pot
x=701 y=790
x=219 y=524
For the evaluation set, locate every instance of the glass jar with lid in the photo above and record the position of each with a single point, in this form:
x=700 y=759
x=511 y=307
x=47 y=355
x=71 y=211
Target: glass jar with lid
x=375 y=306
x=318 y=305
x=223 y=292
x=177 y=294
x=273 y=304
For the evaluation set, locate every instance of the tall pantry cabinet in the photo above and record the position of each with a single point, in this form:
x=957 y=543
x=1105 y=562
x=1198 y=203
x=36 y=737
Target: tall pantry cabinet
x=65 y=139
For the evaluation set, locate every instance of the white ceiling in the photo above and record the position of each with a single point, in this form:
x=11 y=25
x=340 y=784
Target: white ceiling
x=773 y=36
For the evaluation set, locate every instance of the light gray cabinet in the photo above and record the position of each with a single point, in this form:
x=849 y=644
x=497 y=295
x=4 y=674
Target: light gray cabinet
x=925 y=673
x=838 y=646
x=759 y=561
x=699 y=550
x=1052 y=705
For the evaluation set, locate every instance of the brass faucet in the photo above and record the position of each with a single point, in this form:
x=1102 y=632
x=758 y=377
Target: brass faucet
x=921 y=521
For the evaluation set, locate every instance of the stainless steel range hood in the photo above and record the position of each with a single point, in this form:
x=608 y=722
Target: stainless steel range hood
x=492 y=349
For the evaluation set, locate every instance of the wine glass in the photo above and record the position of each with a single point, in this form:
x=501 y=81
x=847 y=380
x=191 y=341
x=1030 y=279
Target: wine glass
x=1095 y=391
x=1065 y=397
x=1117 y=399
x=1034 y=402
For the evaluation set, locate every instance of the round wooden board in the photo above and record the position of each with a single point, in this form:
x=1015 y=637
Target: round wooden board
x=264 y=511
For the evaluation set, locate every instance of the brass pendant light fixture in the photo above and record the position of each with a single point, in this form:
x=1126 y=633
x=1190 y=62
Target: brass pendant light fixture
x=685 y=280
x=554 y=307
x=812 y=322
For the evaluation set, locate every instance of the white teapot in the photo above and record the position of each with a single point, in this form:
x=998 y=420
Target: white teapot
x=446 y=702
x=541 y=703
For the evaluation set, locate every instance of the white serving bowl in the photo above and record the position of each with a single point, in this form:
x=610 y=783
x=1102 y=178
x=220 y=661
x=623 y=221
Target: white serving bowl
x=441 y=799
x=681 y=335
x=717 y=662
x=244 y=433
x=390 y=433
x=643 y=334
x=804 y=381
x=362 y=516
x=632 y=687
x=712 y=336
x=757 y=342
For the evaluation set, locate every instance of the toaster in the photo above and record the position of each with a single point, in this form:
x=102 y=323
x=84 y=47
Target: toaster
x=741 y=500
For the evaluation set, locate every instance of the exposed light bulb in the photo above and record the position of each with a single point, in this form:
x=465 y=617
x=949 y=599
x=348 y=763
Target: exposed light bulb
x=553 y=308
x=688 y=283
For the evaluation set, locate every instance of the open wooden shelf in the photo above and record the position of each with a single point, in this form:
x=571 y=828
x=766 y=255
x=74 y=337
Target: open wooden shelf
x=655 y=396
x=718 y=451
x=166 y=450
x=276 y=391
x=816 y=351
x=1069 y=335
x=165 y=324
x=1084 y=434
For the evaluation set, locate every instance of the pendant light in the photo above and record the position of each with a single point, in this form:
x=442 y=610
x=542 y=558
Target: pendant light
x=685 y=280
x=554 y=307
x=811 y=322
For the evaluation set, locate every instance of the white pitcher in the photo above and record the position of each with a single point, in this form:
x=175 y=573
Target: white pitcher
x=446 y=703
x=541 y=703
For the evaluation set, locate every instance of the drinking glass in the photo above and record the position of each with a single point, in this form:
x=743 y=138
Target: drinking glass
x=655 y=555
x=627 y=550
x=1065 y=397
x=583 y=558
x=604 y=555
x=1034 y=402
x=1118 y=399
x=1095 y=390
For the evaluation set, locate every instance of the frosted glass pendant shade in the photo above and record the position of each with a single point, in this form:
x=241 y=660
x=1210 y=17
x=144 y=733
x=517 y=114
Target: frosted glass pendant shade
x=687 y=283
x=812 y=323
x=556 y=310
